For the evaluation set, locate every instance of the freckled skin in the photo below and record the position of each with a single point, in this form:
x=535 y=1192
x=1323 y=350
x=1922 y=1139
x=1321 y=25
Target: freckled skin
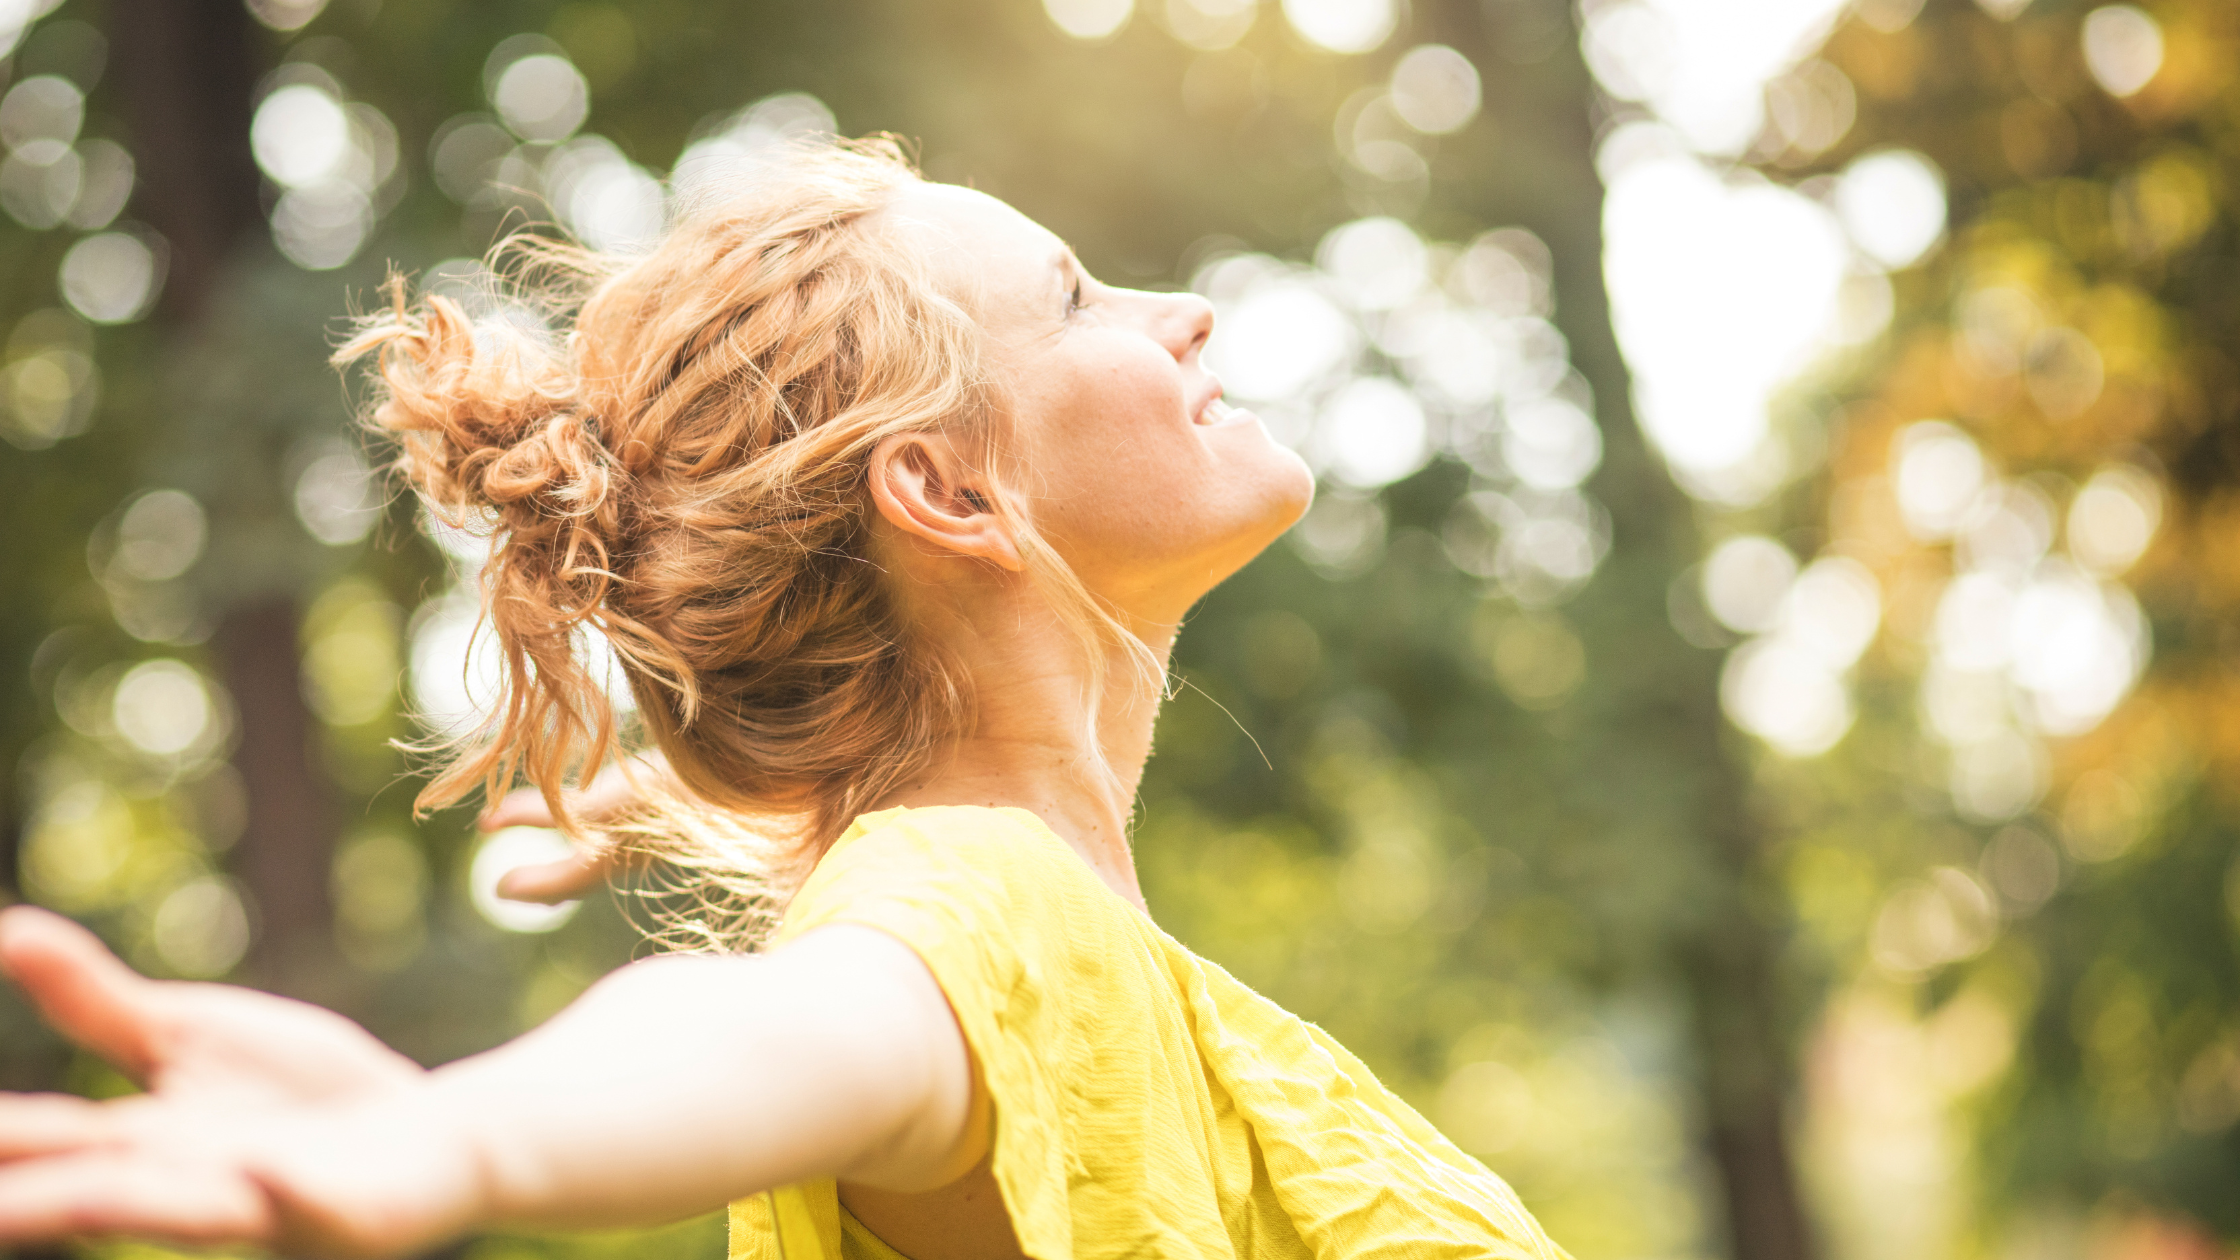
x=1150 y=508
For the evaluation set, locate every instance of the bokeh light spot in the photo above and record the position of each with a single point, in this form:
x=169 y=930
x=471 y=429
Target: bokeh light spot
x=49 y=386
x=455 y=672
x=465 y=153
x=1435 y=89
x=1928 y=923
x=1550 y=444
x=1535 y=657
x=40 y=182
x=2122 y=48
x=1704 y=68
x=1939 y=471
x=542 y=97
x=1811 y=108
x=1744 y=581
x=734 y=151
x=380 y=883
x=1380 y=261
x=1486 y=1106
x=1785 y=695
x=2077 y=646
x=1373 y=433
x=1278 y=340
x=2113 y=518
x=201 y=929
x=2009 y=526
x=1832 y=610
x=160 y=535
x=111 y=277
x=42 y=107
x=1210 y=25
x=1720 y=293
x=162 y=707
x=503 y=851
x=1342 y=26
x=286 y=15
x=1342 y=534
x=2064 y=372
x=300 y=135
x=104 y=186
x=337 y=497
x=1893 y=205
x=1089 y=19
x=611 y=203
x=323 y=226
x=1998 y=777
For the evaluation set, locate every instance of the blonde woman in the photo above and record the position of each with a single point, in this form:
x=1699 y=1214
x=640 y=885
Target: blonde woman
x=890 y=512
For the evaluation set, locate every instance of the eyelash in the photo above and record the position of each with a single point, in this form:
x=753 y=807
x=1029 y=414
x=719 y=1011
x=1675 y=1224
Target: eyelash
x=1073 y=299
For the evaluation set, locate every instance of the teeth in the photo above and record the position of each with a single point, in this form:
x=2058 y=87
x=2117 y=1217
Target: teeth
x=1217 y=412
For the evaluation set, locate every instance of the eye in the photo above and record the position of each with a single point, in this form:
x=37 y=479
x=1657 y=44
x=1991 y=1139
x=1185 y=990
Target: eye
x=1073 y=297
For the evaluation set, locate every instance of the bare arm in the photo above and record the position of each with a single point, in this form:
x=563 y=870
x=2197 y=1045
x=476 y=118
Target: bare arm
x=669 y=1088
x=695 y=1080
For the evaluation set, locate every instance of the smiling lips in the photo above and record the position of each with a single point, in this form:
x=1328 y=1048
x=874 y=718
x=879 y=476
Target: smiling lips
x=1217 y=414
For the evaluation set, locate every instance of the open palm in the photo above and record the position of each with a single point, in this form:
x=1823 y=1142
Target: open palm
x=265 y=1120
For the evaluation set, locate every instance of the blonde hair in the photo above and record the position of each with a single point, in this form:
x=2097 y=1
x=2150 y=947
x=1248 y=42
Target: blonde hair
x=684 y=472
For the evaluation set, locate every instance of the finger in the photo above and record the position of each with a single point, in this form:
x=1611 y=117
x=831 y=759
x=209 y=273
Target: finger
x=522 y=808
x=77 y=1195
x=82 y=989
x=51 y=1124
x=565 y=880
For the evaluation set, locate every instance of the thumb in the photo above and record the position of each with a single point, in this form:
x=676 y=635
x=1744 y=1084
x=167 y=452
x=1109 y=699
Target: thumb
x=82 y=989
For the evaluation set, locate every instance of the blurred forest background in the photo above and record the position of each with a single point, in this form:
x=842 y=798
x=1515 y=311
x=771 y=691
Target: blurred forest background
x=1744 y=739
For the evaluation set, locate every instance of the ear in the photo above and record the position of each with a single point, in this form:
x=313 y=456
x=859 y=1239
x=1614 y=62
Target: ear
x=925 y=487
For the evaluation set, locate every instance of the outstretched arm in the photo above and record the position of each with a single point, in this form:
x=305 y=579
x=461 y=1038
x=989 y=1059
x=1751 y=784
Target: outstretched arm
x=669 y=1088
x=692 y=1081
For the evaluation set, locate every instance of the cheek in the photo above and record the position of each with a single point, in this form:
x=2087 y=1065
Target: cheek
x=1173 y=504
x=1114 y=449
x=1131 y=491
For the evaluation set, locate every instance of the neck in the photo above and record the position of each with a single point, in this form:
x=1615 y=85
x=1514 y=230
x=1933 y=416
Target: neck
x=1038 y=743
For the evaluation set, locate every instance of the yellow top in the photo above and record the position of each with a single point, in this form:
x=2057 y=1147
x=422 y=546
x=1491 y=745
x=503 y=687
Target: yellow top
x=1146 y=1104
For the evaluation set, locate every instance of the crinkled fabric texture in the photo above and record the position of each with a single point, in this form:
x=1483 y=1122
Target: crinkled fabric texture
x=1146 y=1103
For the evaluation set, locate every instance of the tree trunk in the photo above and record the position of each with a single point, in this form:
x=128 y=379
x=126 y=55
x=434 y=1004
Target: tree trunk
x=286 y=850
x=1744 y=1078
x=189 y=71
x=1541 y=102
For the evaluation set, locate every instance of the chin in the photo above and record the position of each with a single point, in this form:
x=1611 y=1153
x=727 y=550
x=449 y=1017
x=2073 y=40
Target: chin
x=1285 y=489
x=1301 y=495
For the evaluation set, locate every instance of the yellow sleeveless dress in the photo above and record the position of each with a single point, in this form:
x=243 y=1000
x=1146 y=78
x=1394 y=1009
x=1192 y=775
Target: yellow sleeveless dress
x=1146 y=1104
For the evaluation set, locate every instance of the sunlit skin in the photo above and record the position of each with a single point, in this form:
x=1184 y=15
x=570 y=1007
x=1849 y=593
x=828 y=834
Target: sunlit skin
x=678 y=1084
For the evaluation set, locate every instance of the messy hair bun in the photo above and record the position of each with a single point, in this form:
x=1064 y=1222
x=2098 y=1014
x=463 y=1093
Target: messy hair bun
x=683 y=472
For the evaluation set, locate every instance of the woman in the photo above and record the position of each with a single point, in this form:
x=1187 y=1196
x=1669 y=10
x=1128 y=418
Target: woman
x=890 y=513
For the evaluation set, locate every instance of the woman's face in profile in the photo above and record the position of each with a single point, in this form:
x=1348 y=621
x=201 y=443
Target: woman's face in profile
x=1128 y=462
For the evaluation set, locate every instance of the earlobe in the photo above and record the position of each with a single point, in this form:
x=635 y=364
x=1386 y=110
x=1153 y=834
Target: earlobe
x=923 y=487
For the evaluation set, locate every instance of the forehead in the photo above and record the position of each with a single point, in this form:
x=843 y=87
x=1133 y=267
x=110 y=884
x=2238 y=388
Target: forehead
x=976 y=245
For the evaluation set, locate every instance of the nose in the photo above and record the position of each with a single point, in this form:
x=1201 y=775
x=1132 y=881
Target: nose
x=1181 y=322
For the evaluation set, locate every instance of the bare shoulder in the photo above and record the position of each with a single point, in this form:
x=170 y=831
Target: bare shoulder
x=888 y=1027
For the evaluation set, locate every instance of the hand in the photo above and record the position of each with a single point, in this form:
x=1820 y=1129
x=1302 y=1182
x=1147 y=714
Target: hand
x=610 y=794
x=266 y=1121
